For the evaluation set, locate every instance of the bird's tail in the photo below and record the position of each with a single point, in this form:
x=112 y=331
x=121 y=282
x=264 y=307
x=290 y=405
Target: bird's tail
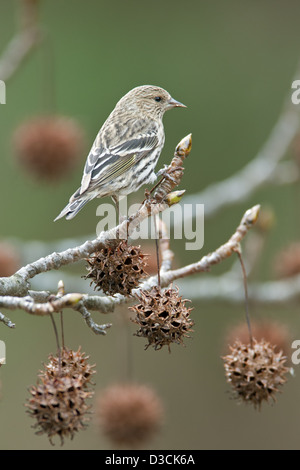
x=76 y=203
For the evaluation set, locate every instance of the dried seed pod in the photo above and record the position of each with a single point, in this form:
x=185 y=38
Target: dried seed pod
x=117 y=268
x=73 y=364
x=255 y=371
x=162 y=317
x=49 y=146
x=129 y=414
x=58 y=401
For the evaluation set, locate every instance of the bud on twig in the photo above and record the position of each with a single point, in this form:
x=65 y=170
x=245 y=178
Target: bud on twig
x=174 y=172
x=174 y=197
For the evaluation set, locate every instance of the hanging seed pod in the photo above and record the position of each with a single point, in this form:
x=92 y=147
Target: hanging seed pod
x=162 y=317
x=58 y=401
x=117 y=268
x=49 y=147
x=129 y=414
x=255 y=371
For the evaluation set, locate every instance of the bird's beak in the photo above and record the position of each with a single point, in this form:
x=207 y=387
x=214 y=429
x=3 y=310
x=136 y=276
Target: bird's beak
x=175 y=104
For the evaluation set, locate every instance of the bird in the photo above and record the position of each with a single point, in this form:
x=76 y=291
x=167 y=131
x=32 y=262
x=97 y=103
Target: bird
x=125 y=152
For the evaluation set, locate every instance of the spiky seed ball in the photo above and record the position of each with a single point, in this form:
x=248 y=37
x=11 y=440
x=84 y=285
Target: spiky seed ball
x=9 y=259
x=73 y=364
x=255 y=371
x=117 y=268
x=49 y=147
x=162 y=317
x=129 y=414
x=58 y=401
x=271 y=331
x=287 y=262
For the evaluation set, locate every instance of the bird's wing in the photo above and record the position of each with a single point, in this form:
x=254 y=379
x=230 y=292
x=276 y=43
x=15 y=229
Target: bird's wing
x=103 y=164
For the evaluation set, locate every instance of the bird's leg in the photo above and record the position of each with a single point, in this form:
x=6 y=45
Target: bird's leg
x=166 y=176
x=162 y=171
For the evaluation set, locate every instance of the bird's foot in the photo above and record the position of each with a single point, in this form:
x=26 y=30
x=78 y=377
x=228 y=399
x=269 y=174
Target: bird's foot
x=166 y=175
x=162 y=172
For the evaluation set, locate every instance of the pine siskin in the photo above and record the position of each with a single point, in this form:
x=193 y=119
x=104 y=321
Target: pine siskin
x=126 y=149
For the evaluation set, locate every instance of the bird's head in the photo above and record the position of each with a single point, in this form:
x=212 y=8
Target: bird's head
x=149 y=99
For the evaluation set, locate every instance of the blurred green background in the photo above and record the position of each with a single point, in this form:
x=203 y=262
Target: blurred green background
x=232 y=64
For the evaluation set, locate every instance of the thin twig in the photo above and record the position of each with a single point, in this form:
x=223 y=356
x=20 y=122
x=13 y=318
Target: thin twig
x=55 y=331
x=157 y=251
x=6 y=321
x=238 y=251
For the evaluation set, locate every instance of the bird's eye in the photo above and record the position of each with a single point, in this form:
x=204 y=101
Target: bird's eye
x=157 y=98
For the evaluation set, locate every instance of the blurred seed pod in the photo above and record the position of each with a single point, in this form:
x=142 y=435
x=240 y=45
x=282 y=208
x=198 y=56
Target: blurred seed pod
x=58 y=401
x=9 y=259
x=255 y=372
x=270 y=331
x=162 y=316
x=287 y=261
x=117 y=268
x=49 y=147
x=129 y=415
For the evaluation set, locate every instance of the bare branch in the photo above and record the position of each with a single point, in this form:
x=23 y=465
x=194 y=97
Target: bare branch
x=98 y=329
x=23 y=43
x=218 y=255
x=230 y=288
x=105 y=304
x=28 y=304
x=6 y=321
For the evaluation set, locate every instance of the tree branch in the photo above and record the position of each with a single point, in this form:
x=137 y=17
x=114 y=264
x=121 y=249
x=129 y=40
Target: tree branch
x=230 y=288
x=105 y=304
